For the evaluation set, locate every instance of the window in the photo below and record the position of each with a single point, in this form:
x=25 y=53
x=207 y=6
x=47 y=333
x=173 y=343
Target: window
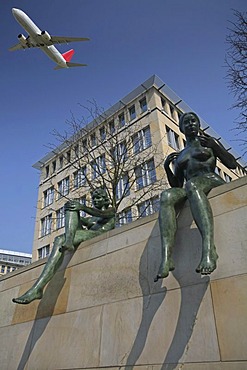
x=125 y=217
x=111 y=127
x=119 y=153
x=148 y=207
x=68 y=156
x=54 y=163
x=123 y=188
x=121 y=120
x=8 y=269
x=46 y=225
x=3 y=269
x=132 y=112
x=172 y=138
x=63 y=187
x=93 y=140
x=44 y=251
x=143 y=105
x=164 y=104
x=46 y=171
x=142 y=140
x=48 y=196
x=61 y=161
x=102 y=133
x=83 y=201
x=80 y=177
x=218 y=171
x=76 y=150
x=172 y=109
x=145 y=174
x=84 y=145
x=98 y=166
x=227 y=177
x=60 y=218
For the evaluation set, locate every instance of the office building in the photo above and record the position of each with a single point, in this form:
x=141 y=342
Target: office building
x=11 y=260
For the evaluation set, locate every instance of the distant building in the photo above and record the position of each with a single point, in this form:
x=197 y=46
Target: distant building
x=151 y=112
x=11 y=260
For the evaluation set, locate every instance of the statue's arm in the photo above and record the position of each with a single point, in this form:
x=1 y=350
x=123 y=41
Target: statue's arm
x=105 y=213
x=176 y=179
x=74 y=205
x=219 y=151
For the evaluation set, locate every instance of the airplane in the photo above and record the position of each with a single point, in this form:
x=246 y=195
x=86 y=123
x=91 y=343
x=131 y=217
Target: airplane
x=44 y=41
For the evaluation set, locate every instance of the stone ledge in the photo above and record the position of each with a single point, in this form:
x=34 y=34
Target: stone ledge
x=103 y=309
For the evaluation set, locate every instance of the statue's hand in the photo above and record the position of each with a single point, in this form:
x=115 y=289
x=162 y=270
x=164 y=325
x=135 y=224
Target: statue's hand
x=72 y=205
x=170 y=158
x=208 y=141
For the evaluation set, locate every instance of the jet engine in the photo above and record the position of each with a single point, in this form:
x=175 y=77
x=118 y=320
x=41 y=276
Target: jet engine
x=45 y=35
x=22 y=39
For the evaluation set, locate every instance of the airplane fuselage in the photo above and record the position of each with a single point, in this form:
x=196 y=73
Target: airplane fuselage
x=34 y=34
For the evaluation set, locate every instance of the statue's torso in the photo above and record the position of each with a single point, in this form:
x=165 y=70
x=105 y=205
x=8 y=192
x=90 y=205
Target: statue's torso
x=196 y=160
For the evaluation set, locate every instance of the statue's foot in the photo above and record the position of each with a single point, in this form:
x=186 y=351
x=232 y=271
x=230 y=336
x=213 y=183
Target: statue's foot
x=165 y=268
x=67 y=247
x=29 y=296
x=208 y=263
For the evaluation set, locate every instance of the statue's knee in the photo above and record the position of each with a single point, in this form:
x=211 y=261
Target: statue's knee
x=165 y=198
x=59 y=240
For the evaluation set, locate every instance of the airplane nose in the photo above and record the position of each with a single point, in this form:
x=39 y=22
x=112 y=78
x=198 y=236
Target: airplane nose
x=16 y=12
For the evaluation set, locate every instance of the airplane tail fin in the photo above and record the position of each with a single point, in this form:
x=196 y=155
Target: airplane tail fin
x=68 y=55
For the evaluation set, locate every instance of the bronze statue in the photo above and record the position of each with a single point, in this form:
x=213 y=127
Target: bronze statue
x=196 y=165
x=77 y=230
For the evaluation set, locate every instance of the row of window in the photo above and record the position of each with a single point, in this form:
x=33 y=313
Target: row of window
x=144 y=209
x=15 y=259
x=222 y=174
x=112 y=126
x=170 y=109
x=5 y=269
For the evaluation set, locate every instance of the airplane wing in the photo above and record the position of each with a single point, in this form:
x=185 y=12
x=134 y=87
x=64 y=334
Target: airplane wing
x=21 y=46
x=66 y=40
x=39 y=41
x=17 y=47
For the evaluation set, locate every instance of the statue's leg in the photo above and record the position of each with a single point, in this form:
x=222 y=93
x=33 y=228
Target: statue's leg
x=72 y=222
x=197 y=190
x=54 y=261
x=168 y=226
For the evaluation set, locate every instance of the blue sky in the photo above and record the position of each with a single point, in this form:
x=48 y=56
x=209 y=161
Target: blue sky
x=183 y=42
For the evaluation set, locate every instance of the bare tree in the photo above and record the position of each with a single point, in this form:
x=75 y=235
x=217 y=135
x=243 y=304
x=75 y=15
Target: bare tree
x=104 y=150
x=236 y=62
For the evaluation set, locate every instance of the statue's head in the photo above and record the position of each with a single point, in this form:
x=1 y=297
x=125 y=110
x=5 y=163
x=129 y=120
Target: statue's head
x=188 y=120
x=100 y=198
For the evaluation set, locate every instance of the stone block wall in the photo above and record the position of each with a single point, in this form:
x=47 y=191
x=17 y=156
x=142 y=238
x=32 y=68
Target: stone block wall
x=103 y=310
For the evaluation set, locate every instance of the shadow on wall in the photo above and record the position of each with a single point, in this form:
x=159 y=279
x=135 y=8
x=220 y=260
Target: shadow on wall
x=192 y=287
x=44 y=312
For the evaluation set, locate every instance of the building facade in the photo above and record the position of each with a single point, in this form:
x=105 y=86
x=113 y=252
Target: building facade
x=136 y=133
x=11 y=260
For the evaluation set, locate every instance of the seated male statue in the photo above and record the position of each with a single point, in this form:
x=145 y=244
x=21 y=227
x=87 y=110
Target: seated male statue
x=77 y=230
x=195 y=165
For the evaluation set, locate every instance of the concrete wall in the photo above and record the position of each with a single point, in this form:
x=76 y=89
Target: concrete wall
x=103 y=311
